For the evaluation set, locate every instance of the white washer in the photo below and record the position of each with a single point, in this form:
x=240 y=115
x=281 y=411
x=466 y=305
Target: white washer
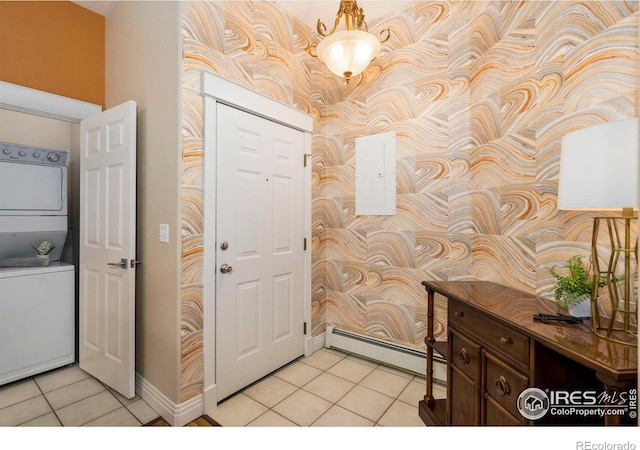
x=37 y=297
x=37 y=320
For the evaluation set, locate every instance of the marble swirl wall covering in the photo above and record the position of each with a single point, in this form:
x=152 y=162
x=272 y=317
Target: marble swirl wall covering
x=479 y=95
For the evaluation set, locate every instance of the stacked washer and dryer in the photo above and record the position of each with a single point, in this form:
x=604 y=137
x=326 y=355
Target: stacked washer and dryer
x=37 y=295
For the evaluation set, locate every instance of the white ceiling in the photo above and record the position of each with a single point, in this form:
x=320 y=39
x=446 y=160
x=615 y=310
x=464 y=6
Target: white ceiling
x=310 y=11
x=306 y=10
x=99 y=6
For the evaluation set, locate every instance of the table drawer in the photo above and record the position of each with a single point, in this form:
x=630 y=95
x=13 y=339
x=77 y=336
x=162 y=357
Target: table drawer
x=503 y=383
x=495 y=415
x=501 y=338
x=465 y=355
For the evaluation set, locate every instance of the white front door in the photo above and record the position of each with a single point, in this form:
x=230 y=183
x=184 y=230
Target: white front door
x=260 y=254
x=108 y=247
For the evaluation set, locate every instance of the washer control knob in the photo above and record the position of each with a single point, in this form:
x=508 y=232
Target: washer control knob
x=53 y=157
x=22 y=153
x=6 y=151
x=36 y=155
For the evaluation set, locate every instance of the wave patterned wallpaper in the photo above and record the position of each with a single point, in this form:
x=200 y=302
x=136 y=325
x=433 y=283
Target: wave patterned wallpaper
x=254 y=44
x=479 y=95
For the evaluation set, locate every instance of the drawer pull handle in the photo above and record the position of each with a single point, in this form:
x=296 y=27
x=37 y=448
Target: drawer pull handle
x=506 y=340
x=458 y=314
x=463 y=356
x=502 y=386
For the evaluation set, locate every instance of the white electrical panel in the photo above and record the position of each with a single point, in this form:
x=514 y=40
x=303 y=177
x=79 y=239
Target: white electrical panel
x=376 y=175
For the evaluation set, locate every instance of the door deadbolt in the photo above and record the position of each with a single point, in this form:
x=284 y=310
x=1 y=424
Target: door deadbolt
x=226 y=268
x=224 y=245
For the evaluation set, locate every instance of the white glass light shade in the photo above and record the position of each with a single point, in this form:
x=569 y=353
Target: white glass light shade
x=599 y=167
x=348 y=53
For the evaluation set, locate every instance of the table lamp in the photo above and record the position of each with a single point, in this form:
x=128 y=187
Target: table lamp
x=599 y=172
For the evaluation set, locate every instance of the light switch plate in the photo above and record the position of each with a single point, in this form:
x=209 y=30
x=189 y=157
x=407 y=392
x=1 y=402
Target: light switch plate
x=164 y=232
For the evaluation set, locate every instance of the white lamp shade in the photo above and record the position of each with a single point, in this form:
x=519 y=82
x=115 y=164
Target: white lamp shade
x=599 y=167
x=348 y=52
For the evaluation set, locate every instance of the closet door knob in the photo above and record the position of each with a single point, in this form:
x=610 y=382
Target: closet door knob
x=122 y=264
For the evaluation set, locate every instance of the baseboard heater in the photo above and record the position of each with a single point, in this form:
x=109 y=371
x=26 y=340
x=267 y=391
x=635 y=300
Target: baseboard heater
x=393 y=355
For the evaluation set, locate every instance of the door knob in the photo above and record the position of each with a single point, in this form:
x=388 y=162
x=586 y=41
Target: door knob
x=122 y=264
x=226 y=268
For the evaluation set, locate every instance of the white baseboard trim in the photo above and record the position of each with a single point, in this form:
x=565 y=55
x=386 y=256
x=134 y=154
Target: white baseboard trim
x=176 y=415
x=181 y=414
x=210 y=399
x=317 y=342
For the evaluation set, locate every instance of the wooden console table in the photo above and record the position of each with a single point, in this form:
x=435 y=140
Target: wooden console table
x=494 y=351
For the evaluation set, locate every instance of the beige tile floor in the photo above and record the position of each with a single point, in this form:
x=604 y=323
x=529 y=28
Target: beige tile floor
x=69 y=397
x=329 y=388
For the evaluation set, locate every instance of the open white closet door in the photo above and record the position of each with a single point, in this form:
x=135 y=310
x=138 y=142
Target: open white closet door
x=108 y=247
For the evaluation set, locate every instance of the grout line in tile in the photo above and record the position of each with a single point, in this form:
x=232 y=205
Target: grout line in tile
x=46 y=400
x=55 y=411
x=271 y=409
x=95 y=418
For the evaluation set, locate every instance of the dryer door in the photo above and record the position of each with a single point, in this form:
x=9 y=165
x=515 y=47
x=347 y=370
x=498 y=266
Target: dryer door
x=30 y=189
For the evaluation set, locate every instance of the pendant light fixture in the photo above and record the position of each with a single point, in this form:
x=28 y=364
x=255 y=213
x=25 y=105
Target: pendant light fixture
x=348 y=52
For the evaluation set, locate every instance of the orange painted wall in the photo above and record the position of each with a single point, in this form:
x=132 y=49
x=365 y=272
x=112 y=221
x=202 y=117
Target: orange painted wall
x=53 y=46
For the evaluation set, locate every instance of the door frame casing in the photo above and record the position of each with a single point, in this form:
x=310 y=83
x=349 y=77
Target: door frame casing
x=216 y=89
x=32 y=101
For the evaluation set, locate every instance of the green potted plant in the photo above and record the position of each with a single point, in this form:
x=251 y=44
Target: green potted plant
x=44 y=249
x=573 y=290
